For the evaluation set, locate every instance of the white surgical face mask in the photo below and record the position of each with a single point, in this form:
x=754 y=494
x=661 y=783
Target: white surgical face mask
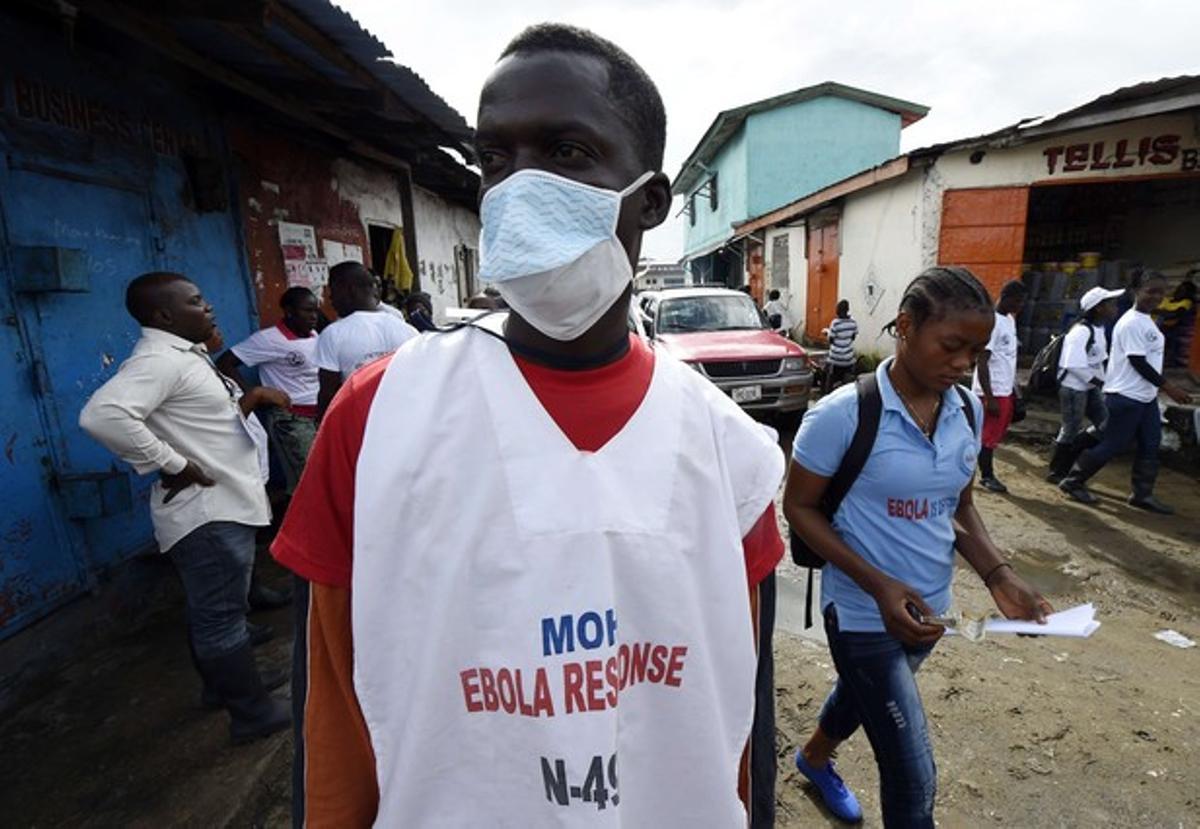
x=549 y=244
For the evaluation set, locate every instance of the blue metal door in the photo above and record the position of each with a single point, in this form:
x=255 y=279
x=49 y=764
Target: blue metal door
x=86 y=239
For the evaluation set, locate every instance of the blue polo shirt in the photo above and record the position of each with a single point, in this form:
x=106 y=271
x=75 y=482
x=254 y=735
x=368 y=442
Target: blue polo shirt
x=899 y=515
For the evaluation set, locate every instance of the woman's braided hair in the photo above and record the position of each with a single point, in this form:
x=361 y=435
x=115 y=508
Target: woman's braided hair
x=939 y=290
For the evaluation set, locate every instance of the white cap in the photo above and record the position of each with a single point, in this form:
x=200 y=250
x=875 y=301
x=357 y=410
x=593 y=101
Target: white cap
x=1094 y=296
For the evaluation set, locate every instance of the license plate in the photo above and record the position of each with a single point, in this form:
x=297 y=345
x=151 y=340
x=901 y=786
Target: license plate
x=747 y=394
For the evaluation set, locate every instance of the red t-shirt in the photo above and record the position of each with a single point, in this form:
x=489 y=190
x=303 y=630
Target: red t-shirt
x=590 y=407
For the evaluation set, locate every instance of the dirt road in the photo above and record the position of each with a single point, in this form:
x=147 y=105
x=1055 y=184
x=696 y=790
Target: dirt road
x=1043 y=732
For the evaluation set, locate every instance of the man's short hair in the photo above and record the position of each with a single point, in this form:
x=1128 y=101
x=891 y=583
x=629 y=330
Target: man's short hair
x=354 y=273
x=774 y=294
x=294 y=295
x=632 y=92
x=143 y=295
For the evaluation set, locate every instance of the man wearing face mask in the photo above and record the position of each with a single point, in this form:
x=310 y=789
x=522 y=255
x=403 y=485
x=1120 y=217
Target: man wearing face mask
x=556 y=624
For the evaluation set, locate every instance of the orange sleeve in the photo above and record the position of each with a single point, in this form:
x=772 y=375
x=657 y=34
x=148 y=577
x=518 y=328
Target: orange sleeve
x=336 y=777
x=316 y=539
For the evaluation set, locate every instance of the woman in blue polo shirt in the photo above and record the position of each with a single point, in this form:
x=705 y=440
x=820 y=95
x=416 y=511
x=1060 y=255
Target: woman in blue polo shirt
x=890 y=545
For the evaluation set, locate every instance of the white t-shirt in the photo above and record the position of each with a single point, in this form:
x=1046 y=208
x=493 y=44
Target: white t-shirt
x=1135 y=335
x=287 y=362
x=359 y=338
x=393 y=310
x=1082 y=364
x=1002 y=365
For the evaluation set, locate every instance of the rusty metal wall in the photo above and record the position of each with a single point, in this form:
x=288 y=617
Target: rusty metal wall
x=282 y=179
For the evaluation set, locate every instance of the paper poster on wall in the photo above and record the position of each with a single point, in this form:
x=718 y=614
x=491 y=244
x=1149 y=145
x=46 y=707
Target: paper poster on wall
x=302 y=262
x=338 y=252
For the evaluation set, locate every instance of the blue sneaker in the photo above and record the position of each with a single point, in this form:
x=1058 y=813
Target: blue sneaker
x=838 y=799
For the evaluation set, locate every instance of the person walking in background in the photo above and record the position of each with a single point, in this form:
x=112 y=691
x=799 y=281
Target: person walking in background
x=777 y=313
x=890 y=545
x=1081 y=380
x=362 y=332
x=841 y=358
x=169 y=410
x=1131 y=390
x=995 y=380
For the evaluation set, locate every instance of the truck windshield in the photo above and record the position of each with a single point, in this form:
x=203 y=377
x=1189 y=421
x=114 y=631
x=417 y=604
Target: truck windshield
x=708 y=313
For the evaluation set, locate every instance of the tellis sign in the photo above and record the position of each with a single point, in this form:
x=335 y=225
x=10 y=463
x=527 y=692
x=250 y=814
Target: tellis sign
x=1151 y=154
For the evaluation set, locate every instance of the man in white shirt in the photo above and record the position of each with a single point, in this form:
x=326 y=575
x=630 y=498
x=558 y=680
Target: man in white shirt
x=169 y=410
x=1131 y=395
x=286 y=354
x=1081 y=380
x=995 y=380
x=363 y=331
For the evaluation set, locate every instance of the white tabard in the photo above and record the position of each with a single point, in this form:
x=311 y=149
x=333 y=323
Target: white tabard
x=545 y=636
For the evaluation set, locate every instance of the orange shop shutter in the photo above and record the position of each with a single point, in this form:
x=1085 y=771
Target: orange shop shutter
x=984 y=230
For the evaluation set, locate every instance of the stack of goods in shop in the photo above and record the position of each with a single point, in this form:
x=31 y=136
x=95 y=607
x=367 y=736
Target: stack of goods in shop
x=1054 y=292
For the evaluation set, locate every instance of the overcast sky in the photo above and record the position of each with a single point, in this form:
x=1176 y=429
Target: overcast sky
x=978 y=66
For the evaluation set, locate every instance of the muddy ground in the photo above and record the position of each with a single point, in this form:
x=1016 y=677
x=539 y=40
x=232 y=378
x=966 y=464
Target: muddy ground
x=1096 y=733
x=1043 y=732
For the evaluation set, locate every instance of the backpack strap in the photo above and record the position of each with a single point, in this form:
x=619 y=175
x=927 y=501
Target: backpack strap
x=870 y=406
x=968 y=408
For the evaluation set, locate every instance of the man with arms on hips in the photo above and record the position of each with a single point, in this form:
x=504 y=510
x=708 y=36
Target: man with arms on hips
x=1081 y=380
x=1131 y=390
x=533 y=551
x=169 y=410
x=286 y=355
x=996 y=380
x=363 y=331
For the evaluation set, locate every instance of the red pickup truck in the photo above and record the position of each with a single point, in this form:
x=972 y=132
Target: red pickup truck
x=722 y=334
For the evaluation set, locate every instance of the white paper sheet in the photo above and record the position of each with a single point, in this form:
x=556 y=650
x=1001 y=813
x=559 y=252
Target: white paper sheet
x=1078 y=622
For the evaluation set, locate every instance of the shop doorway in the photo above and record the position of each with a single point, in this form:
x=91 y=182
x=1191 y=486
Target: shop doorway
x=1094 y=233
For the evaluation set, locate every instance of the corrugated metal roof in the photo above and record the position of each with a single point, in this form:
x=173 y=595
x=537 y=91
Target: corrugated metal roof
x=375 y=57
x=310 y=61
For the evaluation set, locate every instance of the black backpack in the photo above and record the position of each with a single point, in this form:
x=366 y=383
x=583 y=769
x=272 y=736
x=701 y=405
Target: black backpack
x=870 y=407
x=1044 y=375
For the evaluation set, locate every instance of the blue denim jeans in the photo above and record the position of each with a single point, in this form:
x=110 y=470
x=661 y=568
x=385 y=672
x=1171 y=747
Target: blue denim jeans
x=877 y=689
x=293 y=435
x=215 y=561
x=1129 y=421
x=1075 y=406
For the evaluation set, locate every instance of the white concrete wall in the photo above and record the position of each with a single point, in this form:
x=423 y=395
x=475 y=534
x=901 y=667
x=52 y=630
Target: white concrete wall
x=441 y=228
x=889 y=233
x=794 y=288
x=376 y=192
x=1028 y=164
x=881 y=236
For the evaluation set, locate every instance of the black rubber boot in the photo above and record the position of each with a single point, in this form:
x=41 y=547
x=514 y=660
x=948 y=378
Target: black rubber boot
x=1145 y=473
x=259 y=634
x=1075 y=484
x=272 y=678
x=253 y=712
x=987 y=474
x=1060 y=462
x=268 y=598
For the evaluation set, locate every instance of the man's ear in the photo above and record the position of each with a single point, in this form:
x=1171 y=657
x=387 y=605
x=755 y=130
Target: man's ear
x=656 y=202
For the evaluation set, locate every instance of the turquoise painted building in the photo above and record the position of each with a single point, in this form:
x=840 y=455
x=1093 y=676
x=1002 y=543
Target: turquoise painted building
x=761 y=156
